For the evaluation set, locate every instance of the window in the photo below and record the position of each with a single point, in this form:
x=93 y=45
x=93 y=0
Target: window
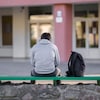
x=80 y=34
x=86 y=10
x=93 y=34
x=6 y=30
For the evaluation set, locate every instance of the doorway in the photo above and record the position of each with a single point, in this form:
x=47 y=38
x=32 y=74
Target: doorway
x=38 y=25
x=41 y=20
x=86 y=34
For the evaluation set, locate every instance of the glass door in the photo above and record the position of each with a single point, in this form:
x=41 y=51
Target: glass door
x=86 y=37
x=38 y=25
x=80 y=34
x=37 y=29
x=93 y=34
x=86 y=30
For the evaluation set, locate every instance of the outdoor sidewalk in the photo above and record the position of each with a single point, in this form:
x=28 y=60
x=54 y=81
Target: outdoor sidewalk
x=22 y=67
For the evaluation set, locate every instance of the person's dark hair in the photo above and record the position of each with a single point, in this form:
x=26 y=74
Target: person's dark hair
x=46 y=36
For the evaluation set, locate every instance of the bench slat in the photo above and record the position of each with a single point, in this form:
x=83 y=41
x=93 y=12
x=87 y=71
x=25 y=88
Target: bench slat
x=48 y=78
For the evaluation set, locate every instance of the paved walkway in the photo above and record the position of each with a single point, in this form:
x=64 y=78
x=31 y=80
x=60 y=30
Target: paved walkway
x=22 y=67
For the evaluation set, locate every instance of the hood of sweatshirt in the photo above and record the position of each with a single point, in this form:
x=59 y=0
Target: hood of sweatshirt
x=44 y=42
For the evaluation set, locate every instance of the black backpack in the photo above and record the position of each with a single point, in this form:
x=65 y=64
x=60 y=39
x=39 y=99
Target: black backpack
x=76 y=65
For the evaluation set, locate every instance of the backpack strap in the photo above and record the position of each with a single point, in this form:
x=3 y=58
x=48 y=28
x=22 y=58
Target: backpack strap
x=82 y=60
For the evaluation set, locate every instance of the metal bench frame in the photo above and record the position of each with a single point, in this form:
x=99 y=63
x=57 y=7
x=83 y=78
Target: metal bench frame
x=97 y=78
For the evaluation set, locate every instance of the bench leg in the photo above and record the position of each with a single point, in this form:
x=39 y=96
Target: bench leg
x=98 y=82
x=32 y=81
x=56 y=82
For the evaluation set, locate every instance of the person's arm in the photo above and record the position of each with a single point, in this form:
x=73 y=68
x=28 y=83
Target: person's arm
x=57 y=57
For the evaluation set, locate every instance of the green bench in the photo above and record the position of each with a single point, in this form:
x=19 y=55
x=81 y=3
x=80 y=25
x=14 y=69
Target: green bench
x=97 y=78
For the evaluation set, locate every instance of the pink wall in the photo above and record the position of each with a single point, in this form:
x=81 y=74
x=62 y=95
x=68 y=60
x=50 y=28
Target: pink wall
x=7 y=3
x=63 y=30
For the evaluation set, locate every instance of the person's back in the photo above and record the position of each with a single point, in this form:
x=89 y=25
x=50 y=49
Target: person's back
x=45 y=57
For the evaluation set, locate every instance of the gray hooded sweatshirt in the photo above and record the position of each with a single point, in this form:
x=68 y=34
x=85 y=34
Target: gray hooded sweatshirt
x=45 y=57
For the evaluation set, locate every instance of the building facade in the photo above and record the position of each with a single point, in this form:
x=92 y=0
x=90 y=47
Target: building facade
x=74 y=25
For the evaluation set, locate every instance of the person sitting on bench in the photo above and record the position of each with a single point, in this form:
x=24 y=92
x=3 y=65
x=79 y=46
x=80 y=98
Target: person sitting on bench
x=45 y=58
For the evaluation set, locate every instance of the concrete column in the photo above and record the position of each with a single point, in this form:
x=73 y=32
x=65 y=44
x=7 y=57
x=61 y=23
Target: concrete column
x=63 y=29
x=19 y=32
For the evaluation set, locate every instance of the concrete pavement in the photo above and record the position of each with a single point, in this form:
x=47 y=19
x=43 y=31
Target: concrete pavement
x=22 y=67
